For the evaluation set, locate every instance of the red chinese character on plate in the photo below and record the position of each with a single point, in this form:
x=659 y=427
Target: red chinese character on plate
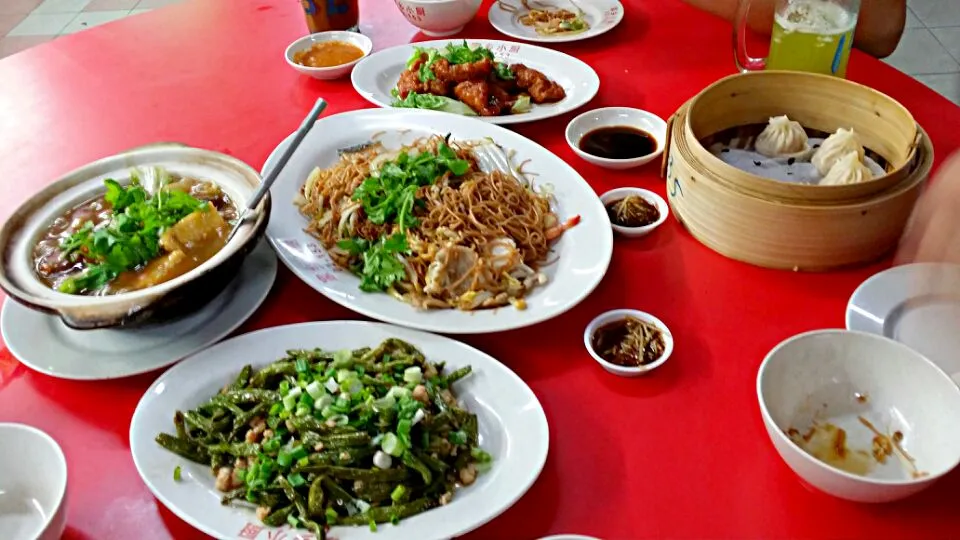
x=278 y=534
x=514 y=49
x=250 y=531
x=420 y=11
x=304 y=536
x=326 y=277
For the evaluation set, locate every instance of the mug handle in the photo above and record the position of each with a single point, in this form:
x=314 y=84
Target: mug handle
x=744 y=61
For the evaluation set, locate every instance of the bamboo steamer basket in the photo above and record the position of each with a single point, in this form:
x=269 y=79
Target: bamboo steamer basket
x=778 y=232
x=818 y=102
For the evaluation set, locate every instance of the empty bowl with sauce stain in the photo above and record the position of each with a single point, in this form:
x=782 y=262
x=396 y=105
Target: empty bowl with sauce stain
x=643 y=343
x=33 y=484
x=178 y=281
x=859 y=416
x=617 y=137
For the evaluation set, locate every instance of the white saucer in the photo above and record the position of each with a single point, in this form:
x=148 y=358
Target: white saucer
x=43 y=343
x=916 y=304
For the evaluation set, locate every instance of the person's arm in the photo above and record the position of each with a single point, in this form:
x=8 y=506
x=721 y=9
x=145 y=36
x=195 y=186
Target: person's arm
x=878 y=30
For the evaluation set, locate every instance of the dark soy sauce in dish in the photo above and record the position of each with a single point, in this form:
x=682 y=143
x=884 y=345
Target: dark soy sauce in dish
x=618 y=142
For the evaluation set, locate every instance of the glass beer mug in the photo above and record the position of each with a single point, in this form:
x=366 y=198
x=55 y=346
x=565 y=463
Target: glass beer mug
x=808 y=35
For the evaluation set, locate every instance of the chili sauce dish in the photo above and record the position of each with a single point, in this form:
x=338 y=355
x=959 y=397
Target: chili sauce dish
x=328 y=55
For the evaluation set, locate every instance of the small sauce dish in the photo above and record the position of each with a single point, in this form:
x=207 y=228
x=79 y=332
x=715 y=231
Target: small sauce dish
x=33 y=484
x=623 y=209
x=617 y=137
x=646 y=332
x=337 y=43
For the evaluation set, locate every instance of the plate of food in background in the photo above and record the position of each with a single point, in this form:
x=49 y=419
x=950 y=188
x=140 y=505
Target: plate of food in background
x=437 y=221
x=500 y=82
x=555 y=21
x=339 y=427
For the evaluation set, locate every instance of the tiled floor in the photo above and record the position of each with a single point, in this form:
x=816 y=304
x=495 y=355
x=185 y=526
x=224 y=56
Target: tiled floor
x=929 y=51
x=930 y=48
x=25 y=23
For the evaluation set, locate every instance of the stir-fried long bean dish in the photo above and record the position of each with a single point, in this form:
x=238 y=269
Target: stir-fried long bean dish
x=427 y=225
x=321 y=438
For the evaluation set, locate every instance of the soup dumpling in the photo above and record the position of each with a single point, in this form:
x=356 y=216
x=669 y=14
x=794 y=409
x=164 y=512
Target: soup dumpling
x=848 y=170
x=837 y=146
x=782 y=137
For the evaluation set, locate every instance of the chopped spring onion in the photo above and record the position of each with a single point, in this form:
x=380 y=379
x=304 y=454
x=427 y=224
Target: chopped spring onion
x=373 y=525
x=284 y=459
x=296 y=480
x=353 y=386
x=398 y=493
x=362 y=506
x=276 y=408
x=392 y=445
x=284 y=387
x=384 y=403
x=289 y=402
x=315 y=390
x=323 y=401
x=457 y=437
x=342 y=359
x=382 y=460
x=293 y=521
x=302 y=366
x=298 y=453
x=176 y=473
x=398 y=392
x=303 y=462
x=295 y=392
x=340 y=419
x=412 y=375
x=418 y=416
x=331 y=516
x=332 y=385
x=345 y=375
x=303 y=410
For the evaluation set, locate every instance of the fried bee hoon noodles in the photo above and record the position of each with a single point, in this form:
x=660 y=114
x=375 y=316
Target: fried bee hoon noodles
x=428 y=226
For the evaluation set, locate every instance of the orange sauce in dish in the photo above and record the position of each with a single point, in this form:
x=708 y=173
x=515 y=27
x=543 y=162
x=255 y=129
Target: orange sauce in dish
x=328 y=54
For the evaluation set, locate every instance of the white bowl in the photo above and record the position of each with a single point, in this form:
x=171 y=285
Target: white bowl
x=33 y=484
x=836 y=376
x=650 y=197
x=611 y=117
x=614 y=315
x=326 y=73
x=439 y=18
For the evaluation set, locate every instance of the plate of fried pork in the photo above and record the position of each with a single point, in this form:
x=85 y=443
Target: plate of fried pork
x=501 y=82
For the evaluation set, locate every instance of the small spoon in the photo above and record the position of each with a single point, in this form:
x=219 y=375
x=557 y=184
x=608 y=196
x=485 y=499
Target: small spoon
x=268 y=181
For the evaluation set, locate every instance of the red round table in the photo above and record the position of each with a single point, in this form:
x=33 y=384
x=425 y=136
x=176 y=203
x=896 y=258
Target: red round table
x=679 y=454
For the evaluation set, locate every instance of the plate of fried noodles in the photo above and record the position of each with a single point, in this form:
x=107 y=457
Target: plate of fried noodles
x=438 y=222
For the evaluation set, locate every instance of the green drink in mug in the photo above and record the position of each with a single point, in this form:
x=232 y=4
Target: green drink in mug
x=808 y=35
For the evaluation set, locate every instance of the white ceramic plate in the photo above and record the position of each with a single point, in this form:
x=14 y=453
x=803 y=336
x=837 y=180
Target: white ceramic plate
x=582 y=253
x=43 y=343
x=375 y=76
x=513 y=428
x=601 y=15
x=916 y=304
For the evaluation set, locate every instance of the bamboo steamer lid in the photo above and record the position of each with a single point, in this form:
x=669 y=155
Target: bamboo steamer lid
x=818 y=102
x=779 y=232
